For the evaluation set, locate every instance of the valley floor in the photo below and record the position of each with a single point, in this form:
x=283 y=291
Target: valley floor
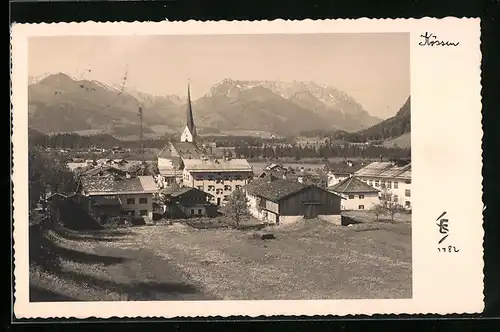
x=307 y=260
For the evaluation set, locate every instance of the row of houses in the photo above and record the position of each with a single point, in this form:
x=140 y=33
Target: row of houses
x=276 y=197
x=193 y=182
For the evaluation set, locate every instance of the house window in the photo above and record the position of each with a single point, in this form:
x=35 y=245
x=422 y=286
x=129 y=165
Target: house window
x=238 y=186
x=370 y=182
x=361 y=196
x=361 y=207
x=219 y=181
x=143 y=212
x=389 y=184
x=192 y=211
x=200 y=187
x=143 y=200
x=351 y=196
x=396 y=198
x=226 y=197
x=408 y=181
x=211 y=188
x=199 y=212
x=382 y=184
x=227 y=188
x=407 y=204
x=395 y=185
x=376 y=183
x=130 y=200
x=407 y=193
x=218 y=191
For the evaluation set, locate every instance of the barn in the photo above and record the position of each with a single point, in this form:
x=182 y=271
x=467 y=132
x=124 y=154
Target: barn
x=280 y=201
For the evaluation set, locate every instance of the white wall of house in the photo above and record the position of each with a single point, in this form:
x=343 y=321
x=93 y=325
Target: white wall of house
x=132 y=202
x=218 y=184
x=399 y=188
x=194 y=210
x=262 y=214
x=359 y=201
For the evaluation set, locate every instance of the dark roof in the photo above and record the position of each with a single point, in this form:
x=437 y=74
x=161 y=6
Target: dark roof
x=63 y=196
x=104 y=169
x=352 y=185
x=274 y=190
x=176 y=192
x=343 y=168
x=107 y=200
x=277 y=174
x=186 y=150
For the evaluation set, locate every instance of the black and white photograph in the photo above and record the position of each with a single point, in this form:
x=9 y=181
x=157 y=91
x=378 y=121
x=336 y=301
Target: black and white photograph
x=205 y=169
x=257 y=167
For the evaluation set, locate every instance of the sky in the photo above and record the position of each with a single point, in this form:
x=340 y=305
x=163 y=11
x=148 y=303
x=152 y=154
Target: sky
x=372 y=68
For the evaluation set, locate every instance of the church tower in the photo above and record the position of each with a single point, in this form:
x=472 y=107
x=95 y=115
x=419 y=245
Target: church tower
x=189 y=133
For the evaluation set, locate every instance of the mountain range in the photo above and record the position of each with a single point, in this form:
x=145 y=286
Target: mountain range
x=392 y=127
x=59 y=103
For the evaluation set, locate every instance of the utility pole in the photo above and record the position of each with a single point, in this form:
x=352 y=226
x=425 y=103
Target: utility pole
x=141 y=136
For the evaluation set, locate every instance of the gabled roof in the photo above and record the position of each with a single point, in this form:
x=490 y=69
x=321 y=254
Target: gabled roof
x=352 y=185
x=274 y=190
x=107 y=200
x=106 y=185
x=56 y=195
x=186 y=150
x=103 y=169
x=176 y=192
x=385 y=169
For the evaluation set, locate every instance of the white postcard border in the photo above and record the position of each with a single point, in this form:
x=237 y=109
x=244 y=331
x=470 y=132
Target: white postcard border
x=446 y=170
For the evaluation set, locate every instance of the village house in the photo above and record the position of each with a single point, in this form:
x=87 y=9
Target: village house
x=73 y=210
x=357 y=194
x=393 y=176
x=282 y=201
x=186 y=164
x=120 y=196
x=341 y=171
x=188 y=202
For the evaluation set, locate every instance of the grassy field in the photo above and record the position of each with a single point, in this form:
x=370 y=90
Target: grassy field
x=306 y=260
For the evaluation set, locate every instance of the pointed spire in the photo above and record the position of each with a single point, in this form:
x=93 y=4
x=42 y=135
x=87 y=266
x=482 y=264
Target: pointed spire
x=190 y=119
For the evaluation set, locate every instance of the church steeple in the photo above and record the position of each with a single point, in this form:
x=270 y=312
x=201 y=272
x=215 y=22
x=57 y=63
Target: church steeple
x=189 y=133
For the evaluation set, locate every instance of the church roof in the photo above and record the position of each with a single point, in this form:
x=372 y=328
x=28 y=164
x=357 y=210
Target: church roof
x=189 y=115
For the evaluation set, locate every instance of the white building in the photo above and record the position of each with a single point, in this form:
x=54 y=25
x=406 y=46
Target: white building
x=357 y=194
x=395 y=176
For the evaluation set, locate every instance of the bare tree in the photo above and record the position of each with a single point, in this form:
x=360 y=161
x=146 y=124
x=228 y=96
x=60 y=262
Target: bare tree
x=393 y=208
x=237 y=206
x=378 y=210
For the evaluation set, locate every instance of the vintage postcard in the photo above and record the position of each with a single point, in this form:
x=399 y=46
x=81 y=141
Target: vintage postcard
x=202 y=169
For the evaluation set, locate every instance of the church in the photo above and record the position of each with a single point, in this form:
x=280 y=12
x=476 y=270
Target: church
x=186 y=164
